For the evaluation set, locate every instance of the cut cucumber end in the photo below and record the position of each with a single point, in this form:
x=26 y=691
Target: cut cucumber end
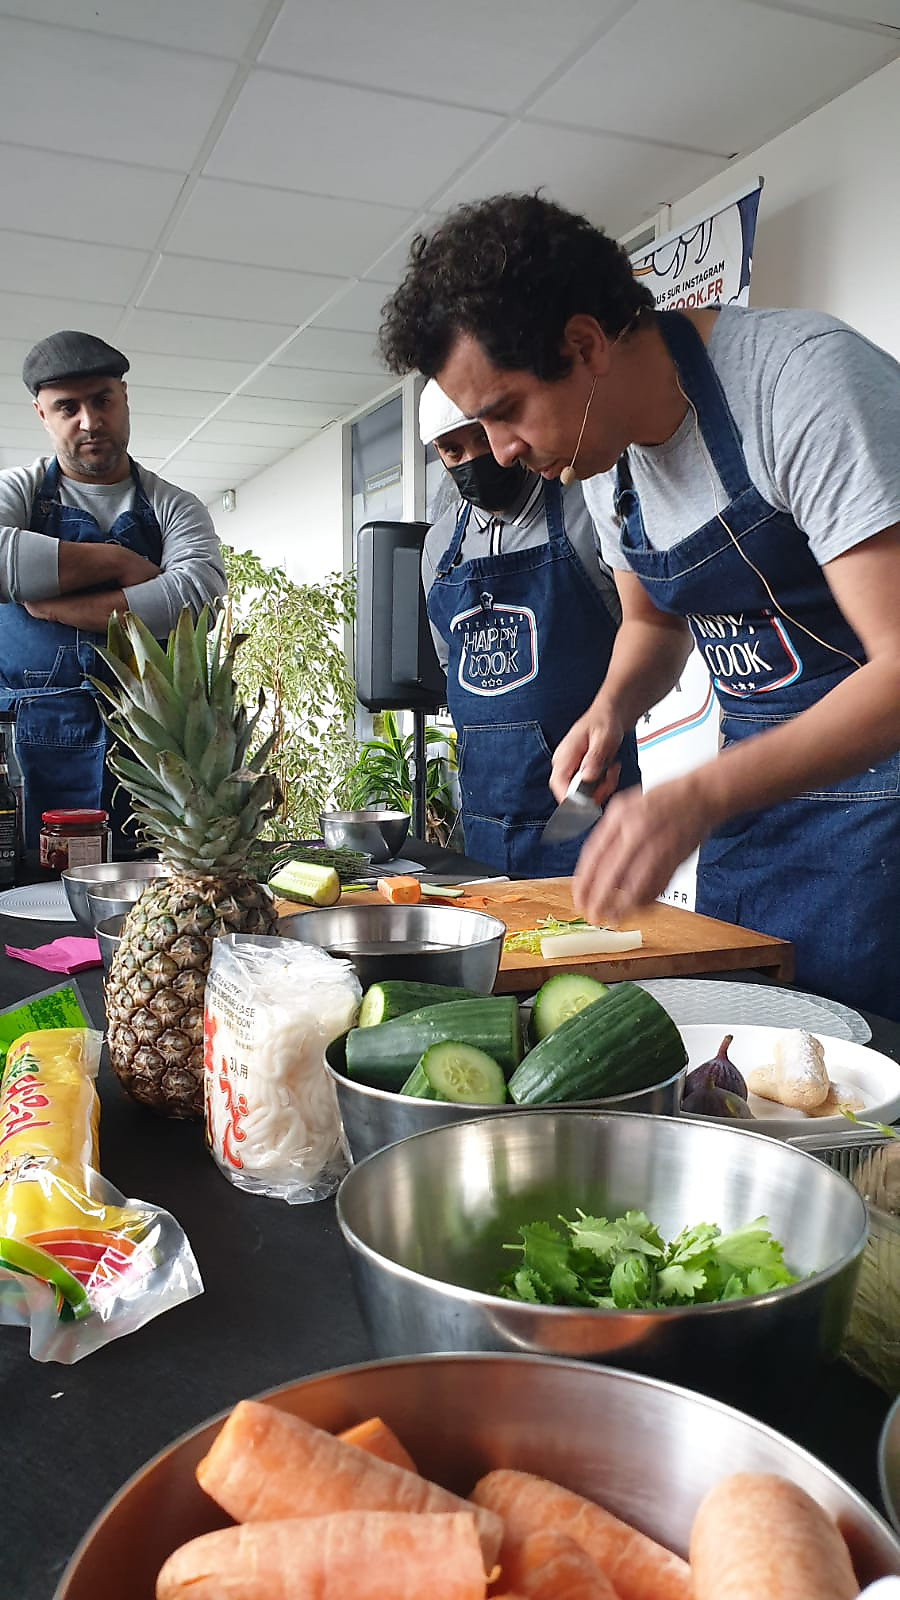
x=463 y=1074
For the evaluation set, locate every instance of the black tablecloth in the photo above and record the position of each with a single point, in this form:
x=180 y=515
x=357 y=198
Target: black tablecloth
x=277 y=1305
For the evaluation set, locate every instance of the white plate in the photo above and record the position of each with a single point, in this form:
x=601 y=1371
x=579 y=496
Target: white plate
x=41 y=902
x=874 y=1077
x=695 y=1000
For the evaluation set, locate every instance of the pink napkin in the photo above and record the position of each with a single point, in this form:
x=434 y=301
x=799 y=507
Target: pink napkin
x=63 y=955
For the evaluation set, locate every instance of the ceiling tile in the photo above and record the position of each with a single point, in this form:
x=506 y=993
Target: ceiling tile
x=33 y=316
x=10 y=457
x=390 y=268
x=101 y=96
x=29 y=437
x=240 y=222
x=172 y=333
x=860 y=11
x=293 y=413
x=190 y=403
x=218 y=455
x=12 y=354
x=189 y=372
x=358 y=311
x=222 y=29
x=333 y=350
x=473 y=54
x=33 y=265
x=347 y=389
x=154 y=446
x=616 y=182
x=788 y=65
x=265 y=433
x=219 y=289
x=324 y=138
x=105 y=202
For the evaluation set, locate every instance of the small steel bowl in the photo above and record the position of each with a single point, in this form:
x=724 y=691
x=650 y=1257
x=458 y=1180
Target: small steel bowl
x=373 y=1118
x=108 y=933
x=648 y=1451
x=381 y=834
x=425 y=1222
x=117 y=899
x=100 y=875
x=428 y=944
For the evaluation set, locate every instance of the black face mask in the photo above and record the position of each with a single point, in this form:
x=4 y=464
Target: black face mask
x=487 y=485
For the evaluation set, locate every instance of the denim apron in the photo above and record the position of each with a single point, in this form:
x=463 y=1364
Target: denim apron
x=823 y=869
x=45 y=668
x=529 y=642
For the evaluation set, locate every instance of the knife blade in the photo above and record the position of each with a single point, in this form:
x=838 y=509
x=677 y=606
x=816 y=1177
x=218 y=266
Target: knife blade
x=576 y=812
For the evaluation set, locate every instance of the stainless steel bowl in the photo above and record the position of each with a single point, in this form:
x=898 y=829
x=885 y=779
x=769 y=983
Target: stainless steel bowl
x=381 y=833
x=889 y=1463
x=425 y=1222
x=373 y=1118
x=647 y=1450
x=431 y=944
x=116 y=899
x=108 y=933
x=100 y=875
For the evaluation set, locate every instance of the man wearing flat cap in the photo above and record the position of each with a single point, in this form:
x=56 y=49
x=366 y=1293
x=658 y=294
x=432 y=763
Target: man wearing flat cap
x=83 y=533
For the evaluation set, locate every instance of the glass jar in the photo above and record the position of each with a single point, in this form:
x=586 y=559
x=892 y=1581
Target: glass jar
x=73 y=839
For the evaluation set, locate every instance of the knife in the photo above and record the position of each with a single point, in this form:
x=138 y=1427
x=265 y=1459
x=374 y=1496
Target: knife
x=576 y=812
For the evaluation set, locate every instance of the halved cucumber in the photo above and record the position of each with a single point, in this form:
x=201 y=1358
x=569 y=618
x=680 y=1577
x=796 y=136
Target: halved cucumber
x=384 y=1057
x=308 y=885
x=461 y=1073
x=562 y=996
x=396 y=996
x=418 y=1086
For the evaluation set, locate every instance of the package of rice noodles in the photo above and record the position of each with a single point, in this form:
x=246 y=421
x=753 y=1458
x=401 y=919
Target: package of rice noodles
x=271 y=1008
x=79 y=1264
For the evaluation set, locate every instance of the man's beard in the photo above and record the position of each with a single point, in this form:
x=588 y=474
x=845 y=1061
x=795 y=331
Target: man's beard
x=95 y=463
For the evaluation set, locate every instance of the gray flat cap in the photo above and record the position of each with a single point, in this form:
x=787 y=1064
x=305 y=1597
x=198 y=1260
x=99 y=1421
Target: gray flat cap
x=71 y=355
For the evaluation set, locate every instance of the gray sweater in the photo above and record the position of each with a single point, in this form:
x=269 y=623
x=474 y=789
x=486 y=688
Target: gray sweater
x=193 y=571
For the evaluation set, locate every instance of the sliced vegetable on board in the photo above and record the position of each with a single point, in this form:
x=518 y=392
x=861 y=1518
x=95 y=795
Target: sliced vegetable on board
x=401 y=890
x=306 y=884
x=589 y=941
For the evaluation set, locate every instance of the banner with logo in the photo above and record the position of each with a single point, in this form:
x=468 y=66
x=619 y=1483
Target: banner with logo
x=706 y=263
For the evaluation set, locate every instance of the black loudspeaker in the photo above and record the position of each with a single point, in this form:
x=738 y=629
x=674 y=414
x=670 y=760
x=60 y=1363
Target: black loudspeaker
x=396 y=665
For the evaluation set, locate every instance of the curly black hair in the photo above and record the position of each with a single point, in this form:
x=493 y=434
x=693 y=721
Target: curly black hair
x=510 y=271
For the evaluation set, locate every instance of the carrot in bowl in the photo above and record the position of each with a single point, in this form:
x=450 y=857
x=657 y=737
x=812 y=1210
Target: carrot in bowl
x=757 y=1535
x=638 y=1567
x=354 y=1555
x=550 y=1566
x=400 y=891
x=265 y=1464
x=381 y=1441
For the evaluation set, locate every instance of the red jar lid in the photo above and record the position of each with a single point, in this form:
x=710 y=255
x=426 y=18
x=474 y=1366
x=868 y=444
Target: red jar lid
x=77 y=819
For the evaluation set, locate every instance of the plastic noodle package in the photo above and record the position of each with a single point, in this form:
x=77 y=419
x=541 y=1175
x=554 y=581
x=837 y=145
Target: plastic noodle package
x=79 y=1264
x=272 y=1007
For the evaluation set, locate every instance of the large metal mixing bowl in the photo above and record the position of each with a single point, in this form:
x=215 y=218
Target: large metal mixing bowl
x=108 y=933
x=426 y=1220
x=115 y=899
x=647 y=1450
x=430 y=944
x=78 y=882
x=382 y=834
x=373 y=1118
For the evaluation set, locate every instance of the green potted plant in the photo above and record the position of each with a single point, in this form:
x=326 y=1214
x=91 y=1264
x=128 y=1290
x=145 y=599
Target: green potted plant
x=381 y=775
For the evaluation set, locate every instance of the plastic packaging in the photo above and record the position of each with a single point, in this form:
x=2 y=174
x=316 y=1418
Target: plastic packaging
x=272 y=1006
x=79 y=1264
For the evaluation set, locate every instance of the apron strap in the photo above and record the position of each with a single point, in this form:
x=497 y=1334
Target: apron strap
x=700 y=383
x=455 y=545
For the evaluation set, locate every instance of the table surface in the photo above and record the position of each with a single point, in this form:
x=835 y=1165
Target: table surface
x=278 y=1305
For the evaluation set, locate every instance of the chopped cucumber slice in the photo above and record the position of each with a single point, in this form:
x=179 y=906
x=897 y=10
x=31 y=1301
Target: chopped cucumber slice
x=560 y=997
x=464 y=1074
x=308 y=885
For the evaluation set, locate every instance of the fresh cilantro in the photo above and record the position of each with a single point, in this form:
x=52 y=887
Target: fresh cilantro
x=624 y=1262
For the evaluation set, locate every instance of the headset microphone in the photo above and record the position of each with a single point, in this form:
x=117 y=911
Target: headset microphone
x=567 y=476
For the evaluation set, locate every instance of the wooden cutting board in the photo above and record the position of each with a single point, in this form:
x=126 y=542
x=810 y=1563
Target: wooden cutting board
x=676 y=943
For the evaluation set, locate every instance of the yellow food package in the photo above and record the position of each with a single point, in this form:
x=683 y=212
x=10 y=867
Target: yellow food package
x=79 y=1264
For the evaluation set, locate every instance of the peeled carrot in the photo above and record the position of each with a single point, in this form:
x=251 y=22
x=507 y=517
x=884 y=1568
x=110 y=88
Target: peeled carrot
x=638 y=1567
x=400 y=891
x=366 y=1555
x=381 y=1441
x=551 y=1566
x=758 y=1535
x=265 y=1464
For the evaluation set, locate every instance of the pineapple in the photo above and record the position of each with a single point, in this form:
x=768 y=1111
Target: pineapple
x=202 y=804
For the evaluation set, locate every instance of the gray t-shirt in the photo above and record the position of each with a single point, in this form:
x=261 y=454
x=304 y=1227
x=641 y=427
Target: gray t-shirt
x=521 y=529
x=193 y=572
x=818 y=410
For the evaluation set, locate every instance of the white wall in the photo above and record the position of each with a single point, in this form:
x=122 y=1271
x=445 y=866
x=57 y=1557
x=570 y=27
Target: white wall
x=292 y=514
x=828 y=236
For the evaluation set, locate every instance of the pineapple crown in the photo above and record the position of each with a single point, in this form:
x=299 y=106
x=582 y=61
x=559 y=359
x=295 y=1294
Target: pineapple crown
x=196 y=795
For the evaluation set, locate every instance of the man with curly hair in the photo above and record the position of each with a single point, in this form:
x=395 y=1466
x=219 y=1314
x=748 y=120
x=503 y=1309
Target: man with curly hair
x=742 y=470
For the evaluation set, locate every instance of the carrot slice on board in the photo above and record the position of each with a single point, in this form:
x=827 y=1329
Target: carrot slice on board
x=402 y=890
x=366 y=1555
x=757 y=1534
x=381 y=1441
x=638 y=1567
x=265 y=1464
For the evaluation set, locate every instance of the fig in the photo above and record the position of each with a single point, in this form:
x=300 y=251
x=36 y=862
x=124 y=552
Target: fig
x=719 y=1071
x=706 y=1100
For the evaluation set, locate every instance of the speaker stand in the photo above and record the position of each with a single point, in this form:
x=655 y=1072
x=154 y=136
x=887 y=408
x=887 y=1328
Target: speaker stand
x=419 y=777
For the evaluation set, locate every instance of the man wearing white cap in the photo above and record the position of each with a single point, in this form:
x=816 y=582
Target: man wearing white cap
x=524 y=615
